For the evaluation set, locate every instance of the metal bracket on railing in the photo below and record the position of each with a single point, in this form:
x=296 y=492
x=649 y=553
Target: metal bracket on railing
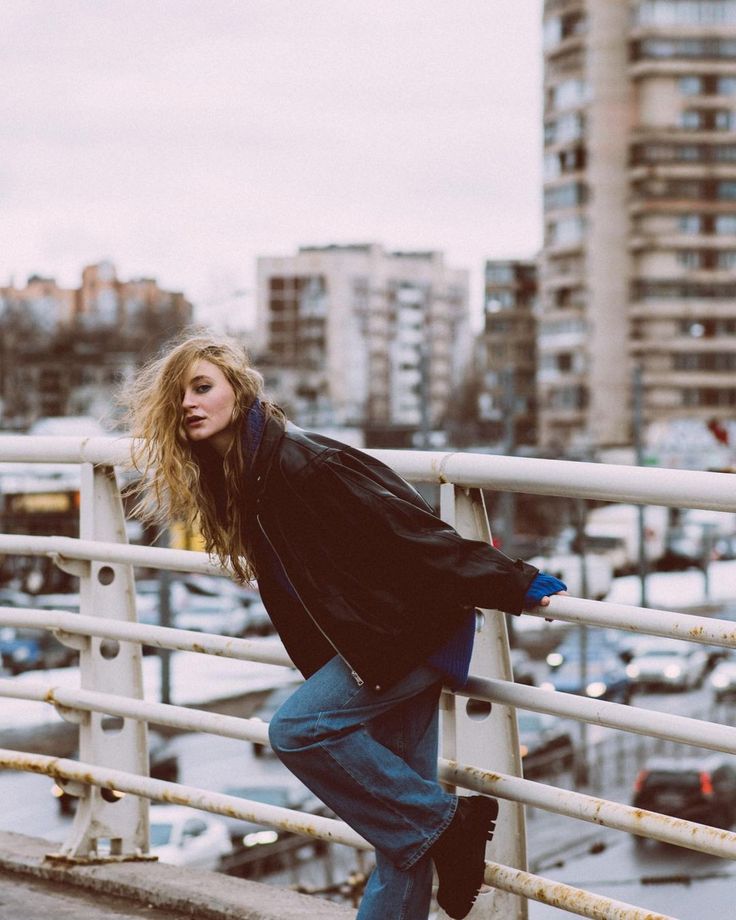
x=480 y=734
x=80 y=568
x=73 y=716
x=108 y=828
x=71 y=640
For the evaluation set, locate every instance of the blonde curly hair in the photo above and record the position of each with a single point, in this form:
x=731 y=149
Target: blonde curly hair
x=181 y=480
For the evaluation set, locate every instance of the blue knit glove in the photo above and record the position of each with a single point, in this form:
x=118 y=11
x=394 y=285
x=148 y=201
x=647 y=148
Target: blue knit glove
x=542 y=586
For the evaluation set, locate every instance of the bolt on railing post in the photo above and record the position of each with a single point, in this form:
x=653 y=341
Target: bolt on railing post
x=481 y=735
x=108 y=590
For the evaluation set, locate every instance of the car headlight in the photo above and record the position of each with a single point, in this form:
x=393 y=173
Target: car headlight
x=632 y=671
x=596 y=688
x=673 y=671
x=547 y=685
x=554 y=659
x=21 y=654
x=258 y=838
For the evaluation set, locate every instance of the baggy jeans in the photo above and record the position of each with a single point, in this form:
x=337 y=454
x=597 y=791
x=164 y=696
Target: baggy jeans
x=372 y=758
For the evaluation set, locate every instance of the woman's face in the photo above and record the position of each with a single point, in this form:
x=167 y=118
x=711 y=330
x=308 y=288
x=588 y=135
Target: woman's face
x=208 y=405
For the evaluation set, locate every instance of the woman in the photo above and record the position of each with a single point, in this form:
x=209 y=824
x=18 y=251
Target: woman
x=373 y=596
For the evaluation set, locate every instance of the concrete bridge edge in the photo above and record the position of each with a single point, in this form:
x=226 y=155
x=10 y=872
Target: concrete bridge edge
x=201 y=894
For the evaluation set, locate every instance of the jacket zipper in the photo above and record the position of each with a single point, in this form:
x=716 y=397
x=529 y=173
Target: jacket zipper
x=353 y=673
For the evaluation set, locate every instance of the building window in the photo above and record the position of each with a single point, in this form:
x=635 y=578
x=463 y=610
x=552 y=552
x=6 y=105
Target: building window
x=569 y=94
x=725 y=224
x=690 y=223
x=715 y=361
x=707 y=120
x=499 y=273
x=689 y=258
x=683 y=290
x=709 y=396
x=707 y=328
x=726 y=259
x=724 y=120
x=694 y=48
x=685 y=13
x=690 y=85
x=567 y=127
x=565 y=196
x=726 y=86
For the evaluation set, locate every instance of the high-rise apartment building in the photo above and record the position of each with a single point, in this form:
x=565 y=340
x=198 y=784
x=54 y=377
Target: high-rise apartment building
x=640 y=216
x=506 y=353
x=377 y=339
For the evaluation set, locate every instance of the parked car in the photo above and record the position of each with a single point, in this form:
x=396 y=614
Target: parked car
x=67 y=602
x=258 y=620
x=667 y=664
x=219 y=615
x=699 y=789
x=267 y=709
x=253 y=844
x=605 y=675
x=29 y=649
x=196 y=604
x=164 y=764
x=185 y=836
x=545 y=743
x=723 y=680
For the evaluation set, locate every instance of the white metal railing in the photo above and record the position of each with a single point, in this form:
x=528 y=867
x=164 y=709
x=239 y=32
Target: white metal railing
x=103 y=560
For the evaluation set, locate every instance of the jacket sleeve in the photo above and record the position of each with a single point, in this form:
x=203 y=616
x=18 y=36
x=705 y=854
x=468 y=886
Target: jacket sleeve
x=379 y=521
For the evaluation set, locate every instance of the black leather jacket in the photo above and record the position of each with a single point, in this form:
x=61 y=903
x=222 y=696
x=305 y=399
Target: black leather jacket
x=369 y=571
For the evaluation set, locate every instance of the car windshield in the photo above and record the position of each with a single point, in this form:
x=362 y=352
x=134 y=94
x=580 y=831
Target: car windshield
x=160 y=834
x=663 y=778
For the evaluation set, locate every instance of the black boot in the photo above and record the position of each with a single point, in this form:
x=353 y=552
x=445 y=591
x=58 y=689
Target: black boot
x=459 y=854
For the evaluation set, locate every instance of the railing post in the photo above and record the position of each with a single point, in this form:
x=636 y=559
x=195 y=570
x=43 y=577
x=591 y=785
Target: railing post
x=480 y=735
x=106 y=826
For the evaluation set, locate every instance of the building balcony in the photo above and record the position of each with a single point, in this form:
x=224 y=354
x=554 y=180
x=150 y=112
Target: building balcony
x=661 y=241
x=679 y=379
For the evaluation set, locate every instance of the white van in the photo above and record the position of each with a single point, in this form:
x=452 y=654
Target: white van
x=623 y=521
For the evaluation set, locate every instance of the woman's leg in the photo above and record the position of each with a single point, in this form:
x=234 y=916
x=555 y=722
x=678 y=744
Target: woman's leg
x=324 y=734
x=410 y=731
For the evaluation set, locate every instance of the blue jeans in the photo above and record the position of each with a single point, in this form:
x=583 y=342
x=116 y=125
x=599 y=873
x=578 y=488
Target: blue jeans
x=372 y=758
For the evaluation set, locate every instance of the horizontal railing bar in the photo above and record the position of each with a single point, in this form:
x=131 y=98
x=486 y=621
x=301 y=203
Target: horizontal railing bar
x=594 y=810
x=640 y=721
x=569 y=478
x=566 y=897
x=604 y=482
x=614 y=715
x=141 y=710
x=536 y=887
x=178 y=794
x=177 y=560
x=642 y=620
x=550 y=798
x=263 y=651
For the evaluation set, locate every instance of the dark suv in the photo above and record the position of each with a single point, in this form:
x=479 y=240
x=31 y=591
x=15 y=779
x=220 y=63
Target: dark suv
x=701 y=789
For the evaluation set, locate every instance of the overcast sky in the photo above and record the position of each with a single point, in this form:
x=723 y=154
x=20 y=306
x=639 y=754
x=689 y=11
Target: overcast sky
x=181 y=139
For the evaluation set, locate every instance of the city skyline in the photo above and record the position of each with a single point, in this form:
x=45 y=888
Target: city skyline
x=184 y=148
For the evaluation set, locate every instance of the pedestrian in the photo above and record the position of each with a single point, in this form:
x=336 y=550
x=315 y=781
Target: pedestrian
x=372 y=594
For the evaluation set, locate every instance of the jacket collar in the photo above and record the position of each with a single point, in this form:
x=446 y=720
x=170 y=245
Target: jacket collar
x=257 y=474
